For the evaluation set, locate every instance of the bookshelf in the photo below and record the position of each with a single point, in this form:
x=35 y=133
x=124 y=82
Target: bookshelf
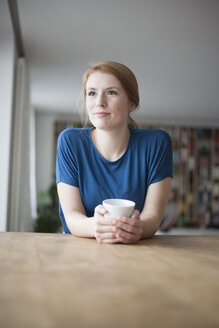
x=215 y=176
x=194 y=199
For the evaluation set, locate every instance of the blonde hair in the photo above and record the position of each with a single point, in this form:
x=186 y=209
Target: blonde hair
x=125 y=77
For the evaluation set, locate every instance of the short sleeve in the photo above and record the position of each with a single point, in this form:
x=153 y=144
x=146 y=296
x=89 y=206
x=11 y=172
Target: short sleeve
x=160 y=165
x=66 y=161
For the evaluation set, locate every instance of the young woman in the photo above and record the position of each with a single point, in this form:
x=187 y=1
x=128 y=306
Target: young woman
x=112 y=160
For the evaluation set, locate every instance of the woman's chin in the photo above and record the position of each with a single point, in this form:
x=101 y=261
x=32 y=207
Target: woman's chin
x=100 y=124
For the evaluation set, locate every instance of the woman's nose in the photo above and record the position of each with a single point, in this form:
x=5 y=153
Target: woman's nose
x=101 y=101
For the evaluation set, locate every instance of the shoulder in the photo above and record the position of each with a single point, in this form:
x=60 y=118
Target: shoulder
x=151 y=136
x=71 y=135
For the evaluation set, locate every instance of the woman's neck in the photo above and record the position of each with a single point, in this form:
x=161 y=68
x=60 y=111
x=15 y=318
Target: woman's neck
x=111 y=144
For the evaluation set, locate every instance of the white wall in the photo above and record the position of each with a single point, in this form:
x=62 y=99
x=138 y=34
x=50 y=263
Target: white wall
x=6 y=92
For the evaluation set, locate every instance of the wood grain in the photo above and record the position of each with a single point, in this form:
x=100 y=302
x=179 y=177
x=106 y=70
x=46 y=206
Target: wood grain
x=55 y=280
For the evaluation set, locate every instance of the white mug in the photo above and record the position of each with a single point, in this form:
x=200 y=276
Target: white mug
x=118 y=207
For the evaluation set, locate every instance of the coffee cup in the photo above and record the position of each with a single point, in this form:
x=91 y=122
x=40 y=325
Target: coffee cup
x=118 y=207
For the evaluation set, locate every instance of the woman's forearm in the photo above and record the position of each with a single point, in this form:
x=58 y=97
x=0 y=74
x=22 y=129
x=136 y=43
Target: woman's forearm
x=81 y=225
x=150 y=226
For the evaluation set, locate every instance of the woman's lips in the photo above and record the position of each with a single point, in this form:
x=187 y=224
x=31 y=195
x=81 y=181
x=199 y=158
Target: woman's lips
x=102 y=114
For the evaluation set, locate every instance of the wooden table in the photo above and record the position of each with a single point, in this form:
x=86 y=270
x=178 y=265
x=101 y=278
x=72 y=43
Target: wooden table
x=55 y=280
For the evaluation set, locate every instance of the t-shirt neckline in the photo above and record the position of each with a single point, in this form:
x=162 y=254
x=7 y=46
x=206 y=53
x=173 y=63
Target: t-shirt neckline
x=103 y=158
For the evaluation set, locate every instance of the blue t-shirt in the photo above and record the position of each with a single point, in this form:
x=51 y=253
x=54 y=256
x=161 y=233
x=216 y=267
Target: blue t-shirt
x=147 y=159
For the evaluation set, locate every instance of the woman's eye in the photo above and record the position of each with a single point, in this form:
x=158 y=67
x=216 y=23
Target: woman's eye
x=112 y=92
x=91 y=93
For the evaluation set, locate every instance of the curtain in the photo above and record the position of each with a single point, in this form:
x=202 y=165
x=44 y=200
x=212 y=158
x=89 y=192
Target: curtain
x=22 y=204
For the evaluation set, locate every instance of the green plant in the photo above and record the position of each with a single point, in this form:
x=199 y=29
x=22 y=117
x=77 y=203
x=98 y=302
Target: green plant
x=48 y=214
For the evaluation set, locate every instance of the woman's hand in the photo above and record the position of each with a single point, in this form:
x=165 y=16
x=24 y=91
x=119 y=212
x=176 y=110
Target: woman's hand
x=129 y=230
x=105 y=231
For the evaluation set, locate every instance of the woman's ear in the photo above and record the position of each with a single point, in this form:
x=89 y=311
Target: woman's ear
x=132 y=106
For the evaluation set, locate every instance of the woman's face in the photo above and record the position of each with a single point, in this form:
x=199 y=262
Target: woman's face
x=107 y=103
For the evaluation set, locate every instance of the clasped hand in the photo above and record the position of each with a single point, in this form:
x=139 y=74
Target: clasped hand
x=122 y=229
